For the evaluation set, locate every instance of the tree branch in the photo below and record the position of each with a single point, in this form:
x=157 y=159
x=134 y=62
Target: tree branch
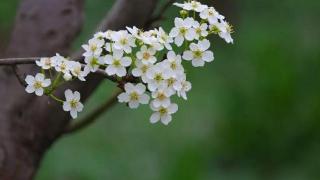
x=160 y=14
x=32 y=60
x=93 y=116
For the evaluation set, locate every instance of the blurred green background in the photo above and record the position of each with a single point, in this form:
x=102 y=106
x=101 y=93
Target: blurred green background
x=254 y=113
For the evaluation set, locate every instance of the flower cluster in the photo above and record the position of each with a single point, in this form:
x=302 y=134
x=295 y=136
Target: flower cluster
x=154 y=59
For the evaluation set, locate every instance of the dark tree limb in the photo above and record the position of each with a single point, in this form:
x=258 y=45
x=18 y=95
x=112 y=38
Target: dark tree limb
x=28 y=124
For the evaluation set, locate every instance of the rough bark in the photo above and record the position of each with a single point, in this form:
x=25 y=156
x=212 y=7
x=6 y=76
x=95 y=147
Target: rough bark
x=30 y=124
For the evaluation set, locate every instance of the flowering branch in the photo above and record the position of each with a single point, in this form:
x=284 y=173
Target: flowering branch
x=132 y=58
x=92 y=116
x=32 y=60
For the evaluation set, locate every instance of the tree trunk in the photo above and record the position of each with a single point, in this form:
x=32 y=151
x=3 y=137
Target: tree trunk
x=30 y=124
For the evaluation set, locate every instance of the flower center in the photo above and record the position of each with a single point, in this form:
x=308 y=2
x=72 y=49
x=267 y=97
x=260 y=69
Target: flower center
x=73 y=103
x=93 y=61
x=158 y=77
x=116 y=63
x=93 y=47
x=215 y=29
x=144 y=68
x=183 y=30
x=47 y=62
x=37 y=85
x=197 y=54
x=173 y=66
x=123 y=41
x=163 y=111
x=171 y=81
x=161 y=96
x=134 y=96
x=146 y=55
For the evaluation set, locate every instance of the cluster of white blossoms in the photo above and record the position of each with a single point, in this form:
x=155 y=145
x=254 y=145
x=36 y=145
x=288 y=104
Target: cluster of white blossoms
x=148 y=65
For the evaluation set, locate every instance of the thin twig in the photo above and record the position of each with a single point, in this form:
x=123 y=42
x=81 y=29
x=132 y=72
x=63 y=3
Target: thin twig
x=32 y=60
x=19 y=76
x=93 y=116
x=160 y=14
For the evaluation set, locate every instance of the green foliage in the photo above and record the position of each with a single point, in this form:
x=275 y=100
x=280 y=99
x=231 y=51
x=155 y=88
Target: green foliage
x=254 y=113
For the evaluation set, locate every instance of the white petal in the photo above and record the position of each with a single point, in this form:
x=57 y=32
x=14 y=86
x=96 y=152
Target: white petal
x=121 y=71
x=208 y=56
x=73 y=113
x=30 y=89
x=126 y=61
x=204 y=44
x=187 y=55
x=166 y=119
x=140 y=88
x=46 y=82
x=129 y=87
x=133 y=104
x=179 y=40
x=174 y=32
x=29 y=79
x=123 y=97
x=108 y=59
x=66 y=106
x=136 y=72
x=144 y=99
x=79 y=107
x=173 y=108
x=39 y=92
x=197 y=62
x=111 y=70
x=76 y=95
x=191 y=34
x=68 y=94
x=155 y=117
x=39 y=77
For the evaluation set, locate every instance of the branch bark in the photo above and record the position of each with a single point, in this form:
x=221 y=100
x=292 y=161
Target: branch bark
x=28 y=124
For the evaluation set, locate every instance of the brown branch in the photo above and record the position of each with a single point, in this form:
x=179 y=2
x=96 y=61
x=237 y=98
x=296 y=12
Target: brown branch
x=32 y=60
x=159 y=16
x=19 y=76
x=93 y=116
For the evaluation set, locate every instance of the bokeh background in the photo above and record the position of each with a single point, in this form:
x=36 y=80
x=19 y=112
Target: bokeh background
x=254 y=113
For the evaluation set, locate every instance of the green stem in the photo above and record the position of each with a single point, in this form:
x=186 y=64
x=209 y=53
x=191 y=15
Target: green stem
x=56 y=98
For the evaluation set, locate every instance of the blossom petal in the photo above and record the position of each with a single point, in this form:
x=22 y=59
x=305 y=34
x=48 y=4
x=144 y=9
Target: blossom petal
x=155 y=117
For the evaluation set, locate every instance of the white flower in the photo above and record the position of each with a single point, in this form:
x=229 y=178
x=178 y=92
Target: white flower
x=61 y=64
x=193 y=5
x=199 y=54
x=183 y=30
x=117 y=63
x=94 y=48
x=173 y=62
x=223 y=29
x=46 y=63
x=186 y=86
x=211 y=15
x=135 y=32
x=164 y=38
x=37 y=84
x=157 y=75
x=93 y=63
x=146 y=55
x=161 y=97
x=134 y=95
x=141 y=70
x=123 y=41
x=201 y=30
x=76 y=70
x=72 y=103
x=163 y=113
